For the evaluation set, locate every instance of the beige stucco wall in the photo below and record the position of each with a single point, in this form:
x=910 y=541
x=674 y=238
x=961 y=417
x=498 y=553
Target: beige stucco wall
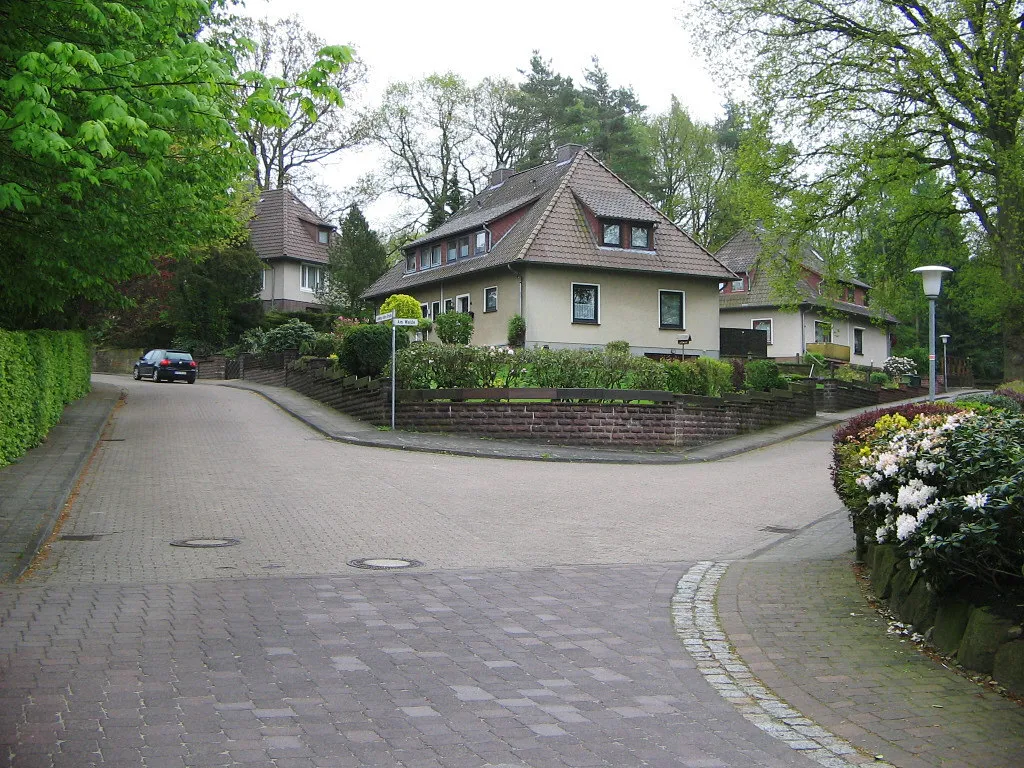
x=283 y=279
x=489 y=328
x=788 y=342
x=628 y=308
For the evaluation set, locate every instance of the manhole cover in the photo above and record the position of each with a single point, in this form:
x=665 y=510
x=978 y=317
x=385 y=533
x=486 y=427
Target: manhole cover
x=205 y=543
x=383 y=563
x=778 y=529
x=81 y=537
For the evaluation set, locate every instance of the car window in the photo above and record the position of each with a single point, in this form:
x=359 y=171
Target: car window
x=175 y=357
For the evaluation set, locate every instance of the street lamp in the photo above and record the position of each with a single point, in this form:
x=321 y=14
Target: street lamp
x=932 y=278
x=945 y=362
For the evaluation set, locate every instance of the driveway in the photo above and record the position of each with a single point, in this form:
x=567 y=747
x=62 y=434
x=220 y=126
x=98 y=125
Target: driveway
x=537 y=632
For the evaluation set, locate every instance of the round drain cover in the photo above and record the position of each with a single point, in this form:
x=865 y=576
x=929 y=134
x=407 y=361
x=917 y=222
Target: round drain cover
x=383 y=563
x=205 y=543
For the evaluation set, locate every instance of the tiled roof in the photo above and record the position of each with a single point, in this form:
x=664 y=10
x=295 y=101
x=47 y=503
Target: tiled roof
x=741 y=253
x=553 y=228
x=277 y=231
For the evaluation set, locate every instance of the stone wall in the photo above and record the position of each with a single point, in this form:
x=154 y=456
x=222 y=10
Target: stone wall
x=838 y=395
x=975 y=636
x=211 y=367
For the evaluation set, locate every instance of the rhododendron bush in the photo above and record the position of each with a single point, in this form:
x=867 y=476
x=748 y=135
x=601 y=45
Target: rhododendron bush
x=946 y=488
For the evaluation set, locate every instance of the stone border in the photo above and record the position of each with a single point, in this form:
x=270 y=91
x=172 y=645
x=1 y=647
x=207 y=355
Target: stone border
x=695 y=619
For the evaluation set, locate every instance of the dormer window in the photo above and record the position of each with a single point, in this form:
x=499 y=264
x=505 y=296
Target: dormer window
x=323 y=236
x=626 y=234
x=738 y=286
x=463 y=247
x=435 y=256
x=612 y=235
x=453 y=251
x=410 y=262
x=481 y=243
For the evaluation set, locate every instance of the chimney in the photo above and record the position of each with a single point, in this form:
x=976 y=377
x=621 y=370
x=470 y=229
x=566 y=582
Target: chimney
x=567 y=152
x=498 y=176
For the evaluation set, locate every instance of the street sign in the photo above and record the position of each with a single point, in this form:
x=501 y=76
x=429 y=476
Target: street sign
x=385 y=317
x=406 y=321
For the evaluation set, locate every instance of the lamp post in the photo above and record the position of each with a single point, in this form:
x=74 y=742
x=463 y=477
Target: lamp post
x=932 y=279
x=945 y=362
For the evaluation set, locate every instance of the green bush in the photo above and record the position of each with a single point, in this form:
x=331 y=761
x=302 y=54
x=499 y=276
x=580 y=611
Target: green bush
x=366 y=349
x=763 y=375
x=402 y=305
x=321 y=321
x=703 y=376
x=565 y=368
x=454 y=328
x=850 y=374
x=920 y=357
x=645 y=373
x=322 y=345
x=291 y=335
x=516 y=331
x=40 y=373
x=414 y=366
x=879 y=378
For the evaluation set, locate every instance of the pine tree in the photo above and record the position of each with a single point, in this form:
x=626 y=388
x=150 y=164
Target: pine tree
x=356 y=259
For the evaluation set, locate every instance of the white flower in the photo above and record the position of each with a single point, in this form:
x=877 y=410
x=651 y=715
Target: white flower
x=885 y=498
x=926 y=511
x=976 y=500
x=914 y=494
x=866 y=482
x=930 y=539
x=880 y=534
x=905 y=526
x=925 y=467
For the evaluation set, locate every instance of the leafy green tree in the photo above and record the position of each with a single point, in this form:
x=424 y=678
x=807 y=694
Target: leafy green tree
x=403 y=305
x=118 y=144
x=501 y=119
x=547 y=98
x=937 y=81
x=214 y=298
x=356 y=259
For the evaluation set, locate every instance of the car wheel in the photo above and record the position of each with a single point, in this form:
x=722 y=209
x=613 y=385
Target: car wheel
x=135 y=373
x=192 y=380
x=156 y=374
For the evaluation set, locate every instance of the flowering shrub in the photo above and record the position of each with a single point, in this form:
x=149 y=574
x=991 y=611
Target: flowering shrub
x=897 y=367
x=454 y=328
x=947 y=489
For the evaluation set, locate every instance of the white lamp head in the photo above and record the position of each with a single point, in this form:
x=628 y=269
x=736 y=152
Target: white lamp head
x=932 y=277
x=944 y=337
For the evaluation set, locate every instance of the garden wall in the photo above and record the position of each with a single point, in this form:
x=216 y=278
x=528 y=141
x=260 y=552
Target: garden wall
x=838 y=395
x=977 y=637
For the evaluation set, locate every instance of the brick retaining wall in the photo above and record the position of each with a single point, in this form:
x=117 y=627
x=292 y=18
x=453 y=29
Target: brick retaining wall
x=843 y=395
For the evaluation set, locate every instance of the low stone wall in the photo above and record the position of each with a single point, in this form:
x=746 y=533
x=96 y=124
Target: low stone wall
x=979 y=639
x=211 y=367
x=838 y=395
x=107 y=360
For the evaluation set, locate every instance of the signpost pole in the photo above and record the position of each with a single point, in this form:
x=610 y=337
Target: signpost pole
x=392 y=376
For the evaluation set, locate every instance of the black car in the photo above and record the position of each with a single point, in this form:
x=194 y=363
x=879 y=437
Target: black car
x=166 y=365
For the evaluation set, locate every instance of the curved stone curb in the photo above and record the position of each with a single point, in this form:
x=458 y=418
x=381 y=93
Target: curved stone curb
x=696 y=624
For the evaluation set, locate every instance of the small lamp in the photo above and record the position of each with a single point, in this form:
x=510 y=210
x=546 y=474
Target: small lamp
x=932 y=278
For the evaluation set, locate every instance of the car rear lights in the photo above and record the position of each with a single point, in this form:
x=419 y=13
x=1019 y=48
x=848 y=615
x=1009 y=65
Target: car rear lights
x=164 y=363
x=191 y=363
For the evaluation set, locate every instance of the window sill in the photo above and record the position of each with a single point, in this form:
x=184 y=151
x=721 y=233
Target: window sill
x=585 y=322
x=672 y=327
x=490 y=311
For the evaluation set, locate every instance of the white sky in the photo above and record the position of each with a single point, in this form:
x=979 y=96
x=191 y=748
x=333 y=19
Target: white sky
x=641 y=43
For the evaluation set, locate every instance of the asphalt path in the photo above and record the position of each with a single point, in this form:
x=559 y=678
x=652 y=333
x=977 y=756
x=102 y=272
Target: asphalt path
x=536 y=633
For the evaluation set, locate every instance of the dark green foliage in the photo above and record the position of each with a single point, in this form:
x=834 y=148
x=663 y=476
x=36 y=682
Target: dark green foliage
x=356 y=259
x=366 y=349
x=454 y=327
x=997 y=401
x=291 y=335
x=322 y=322
x=516 y=331
x=213 y=299
x=763 y=375
x=877 y=377
x=321 y=345
x=40 y=372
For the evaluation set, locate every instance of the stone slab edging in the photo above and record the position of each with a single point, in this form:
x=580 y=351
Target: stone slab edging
x=695 y=619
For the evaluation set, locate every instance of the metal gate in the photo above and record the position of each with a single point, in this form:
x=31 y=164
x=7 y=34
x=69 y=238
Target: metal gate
x=232 y=368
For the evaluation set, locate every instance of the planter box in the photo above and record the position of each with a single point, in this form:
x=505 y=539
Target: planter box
x=839 y=352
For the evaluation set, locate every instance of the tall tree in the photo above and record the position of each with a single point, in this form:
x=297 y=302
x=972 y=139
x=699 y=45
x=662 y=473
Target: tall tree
x=317 y=128
x=117 y=144
x=939 y=80
x=357 y=258
x=501 y=119
x=547 y=99
x=425 y=129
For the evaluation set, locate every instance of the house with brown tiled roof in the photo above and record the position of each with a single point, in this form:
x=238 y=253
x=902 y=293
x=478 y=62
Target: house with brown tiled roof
x=577 y=252
x=750 y=301
x=292 y=241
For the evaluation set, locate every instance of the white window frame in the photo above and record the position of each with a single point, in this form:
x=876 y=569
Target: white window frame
x=263 y=280
x=853 y=340
x=449 y=306
x=480 y=243
x=682 y=313
x=831 y=331
x=452 y=248
x=435 y=309
x=458 y=303
x=495 y=289
x=425 y=310
x=743 y=285
x=597 y=304
x=771 y=327
x=435 y=250
x=304 y=271
x=410 y=263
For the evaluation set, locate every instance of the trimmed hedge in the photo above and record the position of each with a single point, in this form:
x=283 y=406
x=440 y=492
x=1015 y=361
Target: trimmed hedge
x=40 y=373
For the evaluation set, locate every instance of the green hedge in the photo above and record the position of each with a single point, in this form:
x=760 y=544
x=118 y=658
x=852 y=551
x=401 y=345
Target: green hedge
x=40 y=373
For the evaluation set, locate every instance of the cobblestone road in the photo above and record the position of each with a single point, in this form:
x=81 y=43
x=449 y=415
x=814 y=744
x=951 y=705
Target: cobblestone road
x=537 y=634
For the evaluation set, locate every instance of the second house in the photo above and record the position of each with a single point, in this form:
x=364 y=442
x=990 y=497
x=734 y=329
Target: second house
x=578 y=253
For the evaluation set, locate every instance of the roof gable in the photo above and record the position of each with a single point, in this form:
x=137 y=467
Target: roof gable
x=553 y=228
x=284 y=227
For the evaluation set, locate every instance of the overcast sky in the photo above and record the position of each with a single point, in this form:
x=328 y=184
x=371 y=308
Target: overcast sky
x=641 y=43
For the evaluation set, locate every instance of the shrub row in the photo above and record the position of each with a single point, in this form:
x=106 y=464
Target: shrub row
x=40 y=372
x=943 y=483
